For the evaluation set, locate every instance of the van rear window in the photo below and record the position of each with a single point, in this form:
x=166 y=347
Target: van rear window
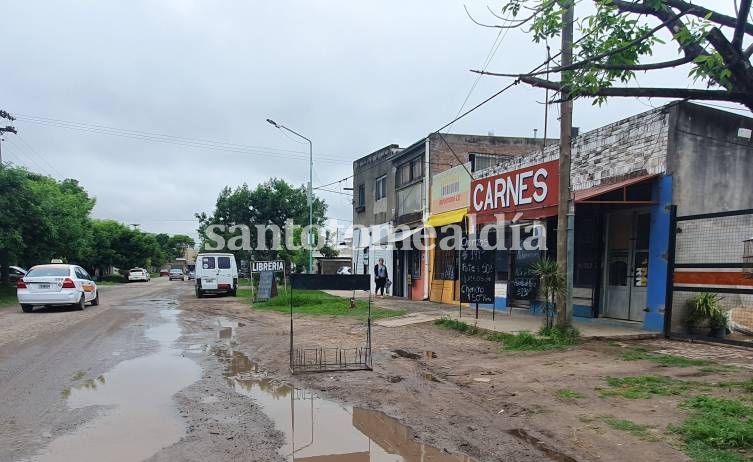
x=223 y=262
x=207 y=262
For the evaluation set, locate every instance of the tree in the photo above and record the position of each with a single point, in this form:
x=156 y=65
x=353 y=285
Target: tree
x=115 y=244
x=172 y=247
x=270 y=203
x=619 y=35
x=41 y=219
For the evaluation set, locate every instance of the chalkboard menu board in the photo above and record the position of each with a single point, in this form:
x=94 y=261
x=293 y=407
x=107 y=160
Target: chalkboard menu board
x=477 y=276
x=266 y=282
x=524 y=285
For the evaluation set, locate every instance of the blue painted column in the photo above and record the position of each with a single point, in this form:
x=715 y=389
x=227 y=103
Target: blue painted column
x=657 y=254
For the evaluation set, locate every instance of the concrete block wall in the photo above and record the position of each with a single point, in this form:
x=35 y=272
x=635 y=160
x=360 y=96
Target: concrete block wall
x=636 y=145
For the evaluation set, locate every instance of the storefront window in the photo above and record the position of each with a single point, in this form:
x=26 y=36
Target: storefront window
x=587 y=246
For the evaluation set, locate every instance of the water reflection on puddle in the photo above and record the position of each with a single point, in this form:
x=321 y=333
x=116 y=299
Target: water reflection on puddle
x=324 y=431
x=141 y=417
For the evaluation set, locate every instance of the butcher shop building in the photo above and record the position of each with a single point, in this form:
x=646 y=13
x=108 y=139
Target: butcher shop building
x=626 y=178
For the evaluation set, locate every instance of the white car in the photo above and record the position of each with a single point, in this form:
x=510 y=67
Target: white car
x=344 y=270
x=56 y=284
x=138 y=274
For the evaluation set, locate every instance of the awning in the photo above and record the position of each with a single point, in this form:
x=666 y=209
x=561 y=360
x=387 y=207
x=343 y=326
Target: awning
x=398 y=236
x=585 y=194
x=445 y=218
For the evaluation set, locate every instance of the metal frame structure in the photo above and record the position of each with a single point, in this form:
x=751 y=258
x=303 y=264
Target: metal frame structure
x=672 y=265
x=330 y=359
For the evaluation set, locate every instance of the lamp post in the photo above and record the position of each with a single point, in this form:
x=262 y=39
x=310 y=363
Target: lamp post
x=310 y=197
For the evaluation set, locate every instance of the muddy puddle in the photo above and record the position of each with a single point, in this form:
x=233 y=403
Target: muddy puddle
x=324 y=431
x=138 y=416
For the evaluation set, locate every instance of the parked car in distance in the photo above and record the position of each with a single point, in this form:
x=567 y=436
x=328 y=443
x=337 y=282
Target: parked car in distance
x=164 y=272
x=56 y=284
x=138 y=274
x=216 y=273
x=191 y=275
x=176 y=274
x=344 y=270
x=15 y=273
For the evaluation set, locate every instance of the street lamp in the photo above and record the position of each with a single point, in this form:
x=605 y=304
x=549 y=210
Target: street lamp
x=310 y=197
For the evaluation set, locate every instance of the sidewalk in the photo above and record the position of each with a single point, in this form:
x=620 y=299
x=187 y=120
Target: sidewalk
x=504 y=320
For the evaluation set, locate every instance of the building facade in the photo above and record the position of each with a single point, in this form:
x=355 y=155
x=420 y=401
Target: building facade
x=625 y=177
x=392 y=196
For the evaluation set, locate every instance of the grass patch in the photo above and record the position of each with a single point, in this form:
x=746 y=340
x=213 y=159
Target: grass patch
x=646 y=386
x=636 y=354
x=459 y=326
x=522 y=341
x=8 y=296
x=111 y=280
x=717 y=429
x=566 y=393
x=718 y=369
x=635 y=429
x=746 y=385
x=318 y=303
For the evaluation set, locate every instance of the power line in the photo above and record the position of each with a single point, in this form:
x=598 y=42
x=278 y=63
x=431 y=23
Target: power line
x=43 y=158
x=180 y=141
x=33 y=160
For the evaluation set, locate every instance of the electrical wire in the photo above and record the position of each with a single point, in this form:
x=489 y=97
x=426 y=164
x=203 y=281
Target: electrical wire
x=40 y=156
x=180 y=141
x=17 y=149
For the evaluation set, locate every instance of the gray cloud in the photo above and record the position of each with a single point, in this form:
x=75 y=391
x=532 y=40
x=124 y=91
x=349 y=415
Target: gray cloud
x=352 y=76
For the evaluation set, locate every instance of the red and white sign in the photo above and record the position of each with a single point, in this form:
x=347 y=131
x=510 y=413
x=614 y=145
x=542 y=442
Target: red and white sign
x=532 y=191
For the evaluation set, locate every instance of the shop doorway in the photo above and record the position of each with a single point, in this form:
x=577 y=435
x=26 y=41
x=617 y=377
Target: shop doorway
x=626 y=268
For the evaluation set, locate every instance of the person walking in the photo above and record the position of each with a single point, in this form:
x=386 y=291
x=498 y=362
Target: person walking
x=380 y=276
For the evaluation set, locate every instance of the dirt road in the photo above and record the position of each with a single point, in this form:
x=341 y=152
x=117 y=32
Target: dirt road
x=156 y=374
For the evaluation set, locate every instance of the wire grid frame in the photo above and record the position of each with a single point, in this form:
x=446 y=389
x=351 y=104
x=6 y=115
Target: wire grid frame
x=332 y=359
x=715 y=246
x=715 y=240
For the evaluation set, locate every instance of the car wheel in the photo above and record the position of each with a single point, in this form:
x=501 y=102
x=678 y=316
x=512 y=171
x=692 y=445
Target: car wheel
x=27 y=308
x=95 y=302
x=81 y=303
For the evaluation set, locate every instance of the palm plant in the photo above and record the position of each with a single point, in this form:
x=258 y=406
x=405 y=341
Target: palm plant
x=552 y=282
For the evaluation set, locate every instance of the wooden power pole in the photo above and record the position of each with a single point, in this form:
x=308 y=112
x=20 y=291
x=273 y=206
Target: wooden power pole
x=564 y=212
x=3 y=130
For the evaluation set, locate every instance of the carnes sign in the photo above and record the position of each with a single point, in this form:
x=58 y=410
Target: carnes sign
x=532 y=191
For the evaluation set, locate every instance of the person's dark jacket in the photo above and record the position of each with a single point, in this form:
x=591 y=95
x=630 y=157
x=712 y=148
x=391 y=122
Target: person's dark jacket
x=376 y=271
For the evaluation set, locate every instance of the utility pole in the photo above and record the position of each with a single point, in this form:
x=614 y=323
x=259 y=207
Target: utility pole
x=565 y=209
x=3 y=130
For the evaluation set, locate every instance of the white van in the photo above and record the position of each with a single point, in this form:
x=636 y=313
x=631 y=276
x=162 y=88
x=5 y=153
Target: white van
x=216 y=273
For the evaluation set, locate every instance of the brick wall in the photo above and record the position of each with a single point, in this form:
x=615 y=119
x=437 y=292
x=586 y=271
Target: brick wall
x=443 y=159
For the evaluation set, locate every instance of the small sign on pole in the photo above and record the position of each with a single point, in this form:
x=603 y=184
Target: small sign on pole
x=266 y=286
x=274 y=265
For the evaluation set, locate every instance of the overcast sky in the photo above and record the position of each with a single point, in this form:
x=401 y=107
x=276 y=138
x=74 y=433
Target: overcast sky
x=351 y=75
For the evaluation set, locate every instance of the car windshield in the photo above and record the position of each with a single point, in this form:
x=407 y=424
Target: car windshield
x=137 y=271
x=43 y=271
x=176 y=271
